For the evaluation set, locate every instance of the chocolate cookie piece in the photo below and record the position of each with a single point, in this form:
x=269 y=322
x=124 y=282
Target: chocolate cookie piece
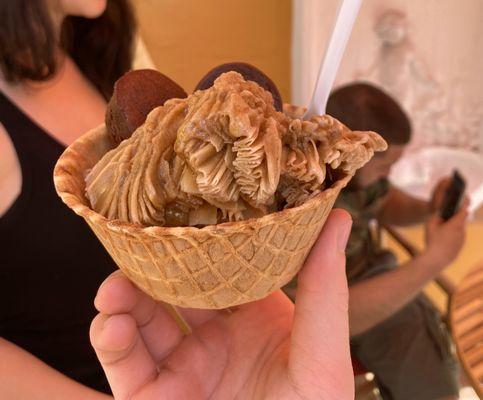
x=249 y=73
x=136 y=93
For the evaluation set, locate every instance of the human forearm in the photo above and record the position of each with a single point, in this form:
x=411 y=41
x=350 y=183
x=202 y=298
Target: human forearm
x=25 y=377
x=373 y=300
x=401 y=209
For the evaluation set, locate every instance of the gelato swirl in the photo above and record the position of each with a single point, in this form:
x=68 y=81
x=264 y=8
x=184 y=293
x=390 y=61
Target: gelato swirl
x=223 y=154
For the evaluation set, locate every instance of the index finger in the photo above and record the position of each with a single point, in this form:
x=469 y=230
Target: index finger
x=126 y=361
x=160 y=332
x=465 y=204
x=462 y=214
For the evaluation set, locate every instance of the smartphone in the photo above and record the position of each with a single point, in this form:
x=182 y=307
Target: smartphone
x=453 y=196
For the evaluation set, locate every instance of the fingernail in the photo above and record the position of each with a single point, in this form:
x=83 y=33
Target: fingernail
x=343 y=235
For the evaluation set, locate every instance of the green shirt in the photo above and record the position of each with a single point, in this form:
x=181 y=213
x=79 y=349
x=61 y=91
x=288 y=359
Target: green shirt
x=363 y=205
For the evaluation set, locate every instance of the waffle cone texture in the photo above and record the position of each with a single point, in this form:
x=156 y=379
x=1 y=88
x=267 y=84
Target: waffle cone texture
x=213 y=267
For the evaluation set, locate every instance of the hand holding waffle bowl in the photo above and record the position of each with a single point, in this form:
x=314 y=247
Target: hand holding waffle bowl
x=215 y=200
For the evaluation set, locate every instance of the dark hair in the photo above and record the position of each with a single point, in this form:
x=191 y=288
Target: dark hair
x=364 y=107
x=102 y=47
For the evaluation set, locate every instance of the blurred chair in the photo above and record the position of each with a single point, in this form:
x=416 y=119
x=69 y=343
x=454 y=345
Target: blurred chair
x=466 y=323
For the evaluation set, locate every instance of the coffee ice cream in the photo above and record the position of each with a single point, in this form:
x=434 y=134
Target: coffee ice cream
x=223 y=154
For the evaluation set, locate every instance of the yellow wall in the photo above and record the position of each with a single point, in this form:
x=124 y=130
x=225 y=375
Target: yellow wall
x=186 y=38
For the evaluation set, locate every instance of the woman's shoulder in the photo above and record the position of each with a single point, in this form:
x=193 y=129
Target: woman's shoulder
x=5 y=144
x=10 y=174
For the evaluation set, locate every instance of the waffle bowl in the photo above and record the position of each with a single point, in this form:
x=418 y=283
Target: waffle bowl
x=214 y=267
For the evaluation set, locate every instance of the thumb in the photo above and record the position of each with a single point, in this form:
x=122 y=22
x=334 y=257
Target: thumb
x=320 y=334
x=433 y=222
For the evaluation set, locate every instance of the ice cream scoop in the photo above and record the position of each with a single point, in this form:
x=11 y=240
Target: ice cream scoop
x=249 y=73
x=251 y=182
x=135 y=94
x=222 y=154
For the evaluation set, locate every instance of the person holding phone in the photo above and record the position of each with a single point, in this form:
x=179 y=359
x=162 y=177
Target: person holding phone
x=396 y=333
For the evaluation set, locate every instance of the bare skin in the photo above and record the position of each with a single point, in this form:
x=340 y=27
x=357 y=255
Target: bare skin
x=269 y=338
x=41 y=107
x=65 y=107
x=10 y=174
x=409 y=209
x=25 y=377
x=267 y=349
x=374 y=299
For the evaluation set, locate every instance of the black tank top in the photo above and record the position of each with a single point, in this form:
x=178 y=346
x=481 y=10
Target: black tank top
x=50 y=263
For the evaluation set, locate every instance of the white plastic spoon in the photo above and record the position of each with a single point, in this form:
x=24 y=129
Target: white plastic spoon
x=346 y=16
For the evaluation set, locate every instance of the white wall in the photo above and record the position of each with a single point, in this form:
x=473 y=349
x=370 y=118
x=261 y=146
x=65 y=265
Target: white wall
x=446 y=41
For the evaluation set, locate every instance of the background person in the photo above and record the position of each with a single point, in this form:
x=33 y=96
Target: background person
x=396 y=332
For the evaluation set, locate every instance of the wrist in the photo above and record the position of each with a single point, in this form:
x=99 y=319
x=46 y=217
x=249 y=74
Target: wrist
x=433 y=260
